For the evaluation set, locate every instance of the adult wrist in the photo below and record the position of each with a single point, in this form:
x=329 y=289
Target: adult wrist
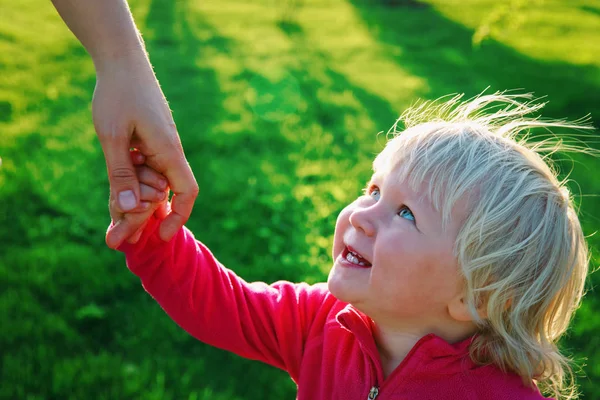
x=130 y=55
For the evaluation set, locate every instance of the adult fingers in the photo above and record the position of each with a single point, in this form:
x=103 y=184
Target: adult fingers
x=170 y=161
x=124 y=184
x=149 y=196
x=148 y=193
x=185 y=188
x=150 y=177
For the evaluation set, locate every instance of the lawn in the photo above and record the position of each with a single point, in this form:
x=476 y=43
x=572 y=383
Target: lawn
x=279 y=110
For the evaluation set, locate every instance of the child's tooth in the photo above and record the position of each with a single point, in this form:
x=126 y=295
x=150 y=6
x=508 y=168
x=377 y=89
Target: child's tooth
x=351 y=258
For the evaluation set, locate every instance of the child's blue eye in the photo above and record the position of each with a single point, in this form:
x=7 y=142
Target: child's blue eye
x=374 y=193
x=406 y=213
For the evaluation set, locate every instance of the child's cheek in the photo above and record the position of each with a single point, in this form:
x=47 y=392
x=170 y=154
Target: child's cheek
x=341 y=225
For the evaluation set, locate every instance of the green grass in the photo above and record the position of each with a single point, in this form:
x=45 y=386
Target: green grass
x=279 y=122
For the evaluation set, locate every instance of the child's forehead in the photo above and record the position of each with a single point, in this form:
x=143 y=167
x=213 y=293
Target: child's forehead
x=394 y=176
x=430 y=175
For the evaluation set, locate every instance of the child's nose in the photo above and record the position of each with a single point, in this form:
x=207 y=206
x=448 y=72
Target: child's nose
x=361 y=219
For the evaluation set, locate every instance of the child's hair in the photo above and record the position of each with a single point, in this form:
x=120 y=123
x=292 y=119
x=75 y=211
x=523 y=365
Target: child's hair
x=521 y=248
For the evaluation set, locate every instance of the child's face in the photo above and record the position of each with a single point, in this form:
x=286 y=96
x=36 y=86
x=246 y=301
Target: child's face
x=410 y=272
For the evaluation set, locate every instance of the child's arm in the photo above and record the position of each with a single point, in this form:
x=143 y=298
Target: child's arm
x=269 y=323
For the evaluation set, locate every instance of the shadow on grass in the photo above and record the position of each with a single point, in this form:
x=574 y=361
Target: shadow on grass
x=439 y=50
x=193 y=91
x=591 y=9
x=291 y=28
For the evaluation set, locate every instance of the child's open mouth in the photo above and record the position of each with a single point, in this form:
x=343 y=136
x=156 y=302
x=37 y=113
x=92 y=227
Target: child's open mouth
x=351 y=256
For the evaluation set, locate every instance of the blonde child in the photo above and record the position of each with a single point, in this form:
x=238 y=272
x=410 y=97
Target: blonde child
x=454 y=274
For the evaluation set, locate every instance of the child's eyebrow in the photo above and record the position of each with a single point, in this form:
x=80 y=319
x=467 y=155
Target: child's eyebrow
x=376 y=176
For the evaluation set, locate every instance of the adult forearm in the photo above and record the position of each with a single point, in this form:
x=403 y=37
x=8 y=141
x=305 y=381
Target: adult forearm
x=104 y=27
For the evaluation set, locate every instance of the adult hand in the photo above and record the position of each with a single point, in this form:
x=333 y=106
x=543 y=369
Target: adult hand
x=130 y=111
x=154 y=192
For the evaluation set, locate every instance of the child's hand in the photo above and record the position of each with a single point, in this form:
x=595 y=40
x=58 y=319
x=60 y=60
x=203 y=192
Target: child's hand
x=154 y=192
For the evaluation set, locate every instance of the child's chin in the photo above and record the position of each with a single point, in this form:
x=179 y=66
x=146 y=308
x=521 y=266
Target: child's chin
x=338 y=286
x=332 y=283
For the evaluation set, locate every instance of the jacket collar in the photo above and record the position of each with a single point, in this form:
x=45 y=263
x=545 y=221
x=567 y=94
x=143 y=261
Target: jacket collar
x=431 y=351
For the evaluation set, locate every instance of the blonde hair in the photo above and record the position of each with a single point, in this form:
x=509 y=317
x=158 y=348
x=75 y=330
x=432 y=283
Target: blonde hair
x=521 y=247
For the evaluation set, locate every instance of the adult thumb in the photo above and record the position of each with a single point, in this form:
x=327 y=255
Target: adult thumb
x=124 y=183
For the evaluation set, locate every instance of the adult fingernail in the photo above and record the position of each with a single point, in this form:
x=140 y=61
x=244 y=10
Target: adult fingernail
x=127 y=200
x=163 y=184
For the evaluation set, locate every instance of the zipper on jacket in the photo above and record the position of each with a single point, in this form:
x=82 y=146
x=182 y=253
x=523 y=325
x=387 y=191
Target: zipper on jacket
x=373 y=393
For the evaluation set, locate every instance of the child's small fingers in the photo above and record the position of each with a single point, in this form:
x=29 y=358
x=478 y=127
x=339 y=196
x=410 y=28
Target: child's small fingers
x=127 y=226
x=148 y=193
x=134 y=239
x=137 y=158
x=113 y=210
x=136 y=236
x=150 y=177
x=163 y=210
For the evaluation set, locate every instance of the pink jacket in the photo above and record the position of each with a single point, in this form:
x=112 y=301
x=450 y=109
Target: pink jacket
x=325 y=345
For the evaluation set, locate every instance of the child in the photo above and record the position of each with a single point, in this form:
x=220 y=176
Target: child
x=454 y=274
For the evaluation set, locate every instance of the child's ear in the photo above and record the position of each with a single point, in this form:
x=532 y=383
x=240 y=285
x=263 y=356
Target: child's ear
x=458 y=309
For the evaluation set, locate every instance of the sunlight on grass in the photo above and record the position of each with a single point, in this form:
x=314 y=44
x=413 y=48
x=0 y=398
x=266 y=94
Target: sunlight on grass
x=540 y=29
